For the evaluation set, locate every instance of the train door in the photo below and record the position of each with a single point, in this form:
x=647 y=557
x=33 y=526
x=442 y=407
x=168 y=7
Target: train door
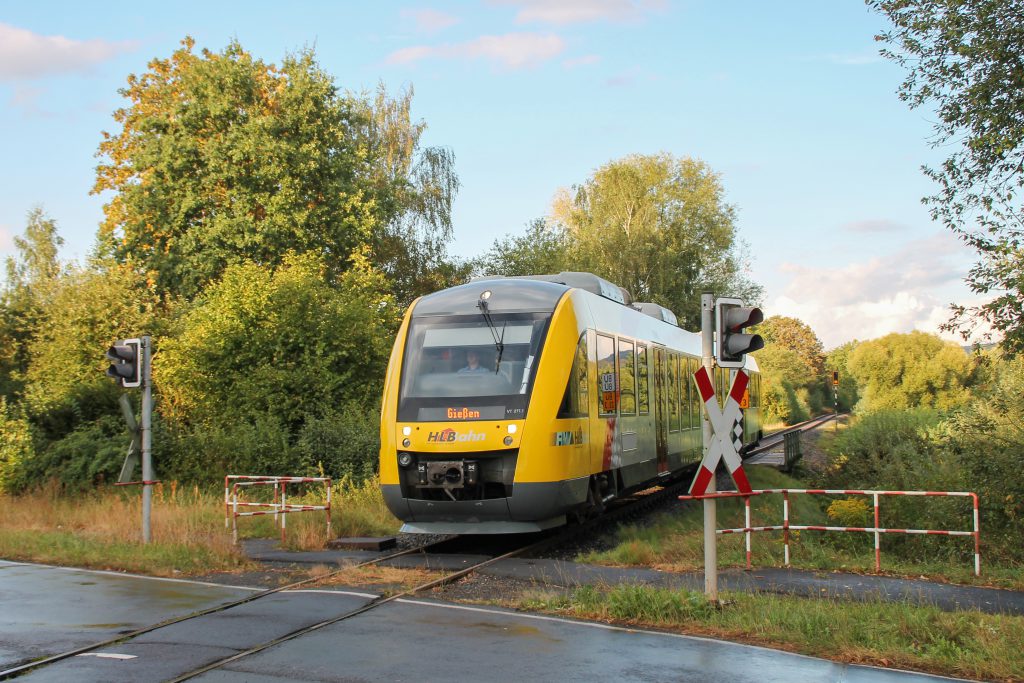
x=660 y=409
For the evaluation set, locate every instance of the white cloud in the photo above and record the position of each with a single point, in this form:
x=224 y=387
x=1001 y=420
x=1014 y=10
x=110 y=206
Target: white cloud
x=429 y=20
x=893 y=293
x=874 y=225
x=563 y=12
x=26 y=55
x=26 y=98
x=6 y=241
x=512 y=50
x=585 y=60
x=623 y=79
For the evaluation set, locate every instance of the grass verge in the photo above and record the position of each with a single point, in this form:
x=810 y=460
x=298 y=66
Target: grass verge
x=896 y=635
x=102 y=528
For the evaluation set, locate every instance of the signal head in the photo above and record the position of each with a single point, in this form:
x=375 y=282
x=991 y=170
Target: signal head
x=731 y=316
x=125 y=358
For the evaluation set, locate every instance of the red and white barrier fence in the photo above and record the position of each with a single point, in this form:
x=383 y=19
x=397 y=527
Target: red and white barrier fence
x=786 y=527
x=279 y=507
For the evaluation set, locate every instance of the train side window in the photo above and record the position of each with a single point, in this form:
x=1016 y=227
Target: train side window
x=642 y=384
x=673 y=402
x=694 y=394
x=684 y=393
x=627 y=378
x=607 y=383
x=575 y=402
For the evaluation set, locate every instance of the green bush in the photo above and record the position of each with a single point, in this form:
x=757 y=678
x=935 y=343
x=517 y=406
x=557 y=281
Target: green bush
x=900 y=450
x=91 y=454
x=344 y=442
x=987 y=438
x=15 y=447
x=207 y=453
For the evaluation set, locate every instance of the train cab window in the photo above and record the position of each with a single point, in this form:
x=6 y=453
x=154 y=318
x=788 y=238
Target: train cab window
x=576 y=401
x=642 y=385
x=673 y=400
x=627 y=378
x=456 y=362
x=607 y=384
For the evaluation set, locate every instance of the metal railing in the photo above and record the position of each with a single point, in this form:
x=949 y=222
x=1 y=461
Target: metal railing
x=786 y=527
x=279 y=506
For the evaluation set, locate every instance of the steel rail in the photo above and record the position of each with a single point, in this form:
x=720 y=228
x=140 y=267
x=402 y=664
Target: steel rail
x=776 y=438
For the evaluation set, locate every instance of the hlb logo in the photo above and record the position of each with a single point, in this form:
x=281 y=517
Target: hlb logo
x=449 y=435
x=444 y=436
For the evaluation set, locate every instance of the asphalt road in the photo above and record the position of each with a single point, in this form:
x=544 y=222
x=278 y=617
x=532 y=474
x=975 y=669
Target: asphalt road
x=45 y=610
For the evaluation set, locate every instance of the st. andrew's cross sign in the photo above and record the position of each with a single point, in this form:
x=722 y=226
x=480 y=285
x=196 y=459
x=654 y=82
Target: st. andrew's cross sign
x=723 y=421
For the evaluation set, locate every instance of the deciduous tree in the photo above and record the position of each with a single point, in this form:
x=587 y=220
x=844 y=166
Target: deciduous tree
x=796 y=335
x=31 y=274
x=914 y=370
x=659 y=226
x=964 y=59
x=222 y=158
x=543 y=248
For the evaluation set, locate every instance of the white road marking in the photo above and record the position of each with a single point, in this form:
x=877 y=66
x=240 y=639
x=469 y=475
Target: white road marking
x=371 y=596
x=136 y=576
x=106 y=655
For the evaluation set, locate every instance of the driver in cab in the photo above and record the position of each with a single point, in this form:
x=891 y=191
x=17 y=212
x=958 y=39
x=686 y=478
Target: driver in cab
x=473 y=364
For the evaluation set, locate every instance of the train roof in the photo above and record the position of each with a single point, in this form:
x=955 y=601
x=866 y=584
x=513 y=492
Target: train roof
x=541 y=293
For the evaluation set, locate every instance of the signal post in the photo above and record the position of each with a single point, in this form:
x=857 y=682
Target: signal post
x=131 y=367
x=724 y=318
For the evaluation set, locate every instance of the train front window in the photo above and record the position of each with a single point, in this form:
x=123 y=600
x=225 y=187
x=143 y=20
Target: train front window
x=463 y=368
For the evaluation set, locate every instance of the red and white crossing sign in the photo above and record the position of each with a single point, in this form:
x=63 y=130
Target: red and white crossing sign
x=722 y=446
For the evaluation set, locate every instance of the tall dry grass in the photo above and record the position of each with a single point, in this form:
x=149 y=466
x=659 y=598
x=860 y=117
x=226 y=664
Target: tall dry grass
x=102 y=528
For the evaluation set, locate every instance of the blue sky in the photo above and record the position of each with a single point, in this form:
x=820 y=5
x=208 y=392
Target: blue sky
x=790 y=102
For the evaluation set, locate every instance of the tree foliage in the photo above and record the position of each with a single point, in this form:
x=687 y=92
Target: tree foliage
x=86 y=310
x=988 y=435
x=796 y=335
x=284 y=344
x=30 y=276
x=915 y=370
x=223 y=159
x=964 y=59
x=657 y=225
x=838 y=360
x=543 y=248
x=414 y=190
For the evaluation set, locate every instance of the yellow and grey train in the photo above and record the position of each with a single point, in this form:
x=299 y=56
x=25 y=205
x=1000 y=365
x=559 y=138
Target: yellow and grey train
x=514 y=404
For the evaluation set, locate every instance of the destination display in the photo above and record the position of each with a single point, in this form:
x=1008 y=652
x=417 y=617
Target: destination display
x=442 y=414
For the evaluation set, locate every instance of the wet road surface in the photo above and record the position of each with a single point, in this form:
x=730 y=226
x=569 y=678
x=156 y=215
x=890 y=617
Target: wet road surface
x=44 y=609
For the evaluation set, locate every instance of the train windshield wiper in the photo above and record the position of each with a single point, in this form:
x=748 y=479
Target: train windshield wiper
x=499 y=339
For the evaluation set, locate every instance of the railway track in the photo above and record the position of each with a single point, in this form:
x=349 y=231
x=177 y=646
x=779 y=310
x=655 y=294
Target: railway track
x=775 y=439
x=632 y=505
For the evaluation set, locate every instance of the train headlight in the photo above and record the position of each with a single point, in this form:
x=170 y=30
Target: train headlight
x=507 y=441
x=405 y=459
x=406 y=443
